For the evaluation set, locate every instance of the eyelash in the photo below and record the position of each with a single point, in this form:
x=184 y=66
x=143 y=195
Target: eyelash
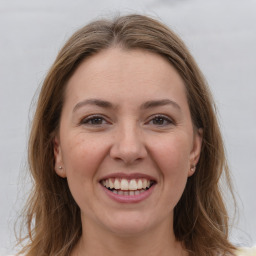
x=90 y=119
x=166 y=120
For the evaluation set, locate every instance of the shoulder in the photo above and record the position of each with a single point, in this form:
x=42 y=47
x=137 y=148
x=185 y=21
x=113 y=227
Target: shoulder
x=15 y=255
x=12 y=255
x=246 y=251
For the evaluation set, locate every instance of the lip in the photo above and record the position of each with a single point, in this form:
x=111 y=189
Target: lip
x=127 y=198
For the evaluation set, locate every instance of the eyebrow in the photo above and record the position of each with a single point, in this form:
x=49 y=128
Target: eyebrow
x=107 y=104
x=159 y=103
x=97 y=102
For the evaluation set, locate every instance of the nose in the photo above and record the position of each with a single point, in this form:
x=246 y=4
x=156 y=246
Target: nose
x=128 y=145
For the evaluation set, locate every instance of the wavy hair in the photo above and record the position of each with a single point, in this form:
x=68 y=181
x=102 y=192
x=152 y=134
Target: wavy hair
x=52 y=217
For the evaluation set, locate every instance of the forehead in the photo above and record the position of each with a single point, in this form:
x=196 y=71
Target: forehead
x=125 y=74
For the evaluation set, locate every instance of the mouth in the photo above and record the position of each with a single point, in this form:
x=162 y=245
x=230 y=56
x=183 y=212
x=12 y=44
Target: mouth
x=127 y=187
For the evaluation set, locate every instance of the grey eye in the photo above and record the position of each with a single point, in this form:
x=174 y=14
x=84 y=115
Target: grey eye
x=160 y=121
x=94 y=120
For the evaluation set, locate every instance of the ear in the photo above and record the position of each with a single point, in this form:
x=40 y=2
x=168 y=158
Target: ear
x=196 y=150
x=59 y=167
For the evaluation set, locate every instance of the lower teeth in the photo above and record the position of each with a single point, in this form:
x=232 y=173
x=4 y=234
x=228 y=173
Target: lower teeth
x=127 y=193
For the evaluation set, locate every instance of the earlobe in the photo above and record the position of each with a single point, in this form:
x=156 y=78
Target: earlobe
x=58 y=166
x=191 y=170
x=196 y=150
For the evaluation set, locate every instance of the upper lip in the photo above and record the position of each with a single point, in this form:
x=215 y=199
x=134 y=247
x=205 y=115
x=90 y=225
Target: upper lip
x=128 y=176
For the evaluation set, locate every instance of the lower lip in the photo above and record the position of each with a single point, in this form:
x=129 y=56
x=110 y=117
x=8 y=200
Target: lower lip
x=129 y=199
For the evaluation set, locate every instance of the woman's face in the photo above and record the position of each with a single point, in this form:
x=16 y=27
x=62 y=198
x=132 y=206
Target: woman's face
x=126 y=142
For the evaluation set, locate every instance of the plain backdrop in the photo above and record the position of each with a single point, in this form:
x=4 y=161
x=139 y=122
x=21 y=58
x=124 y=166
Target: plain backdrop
x=220 y=34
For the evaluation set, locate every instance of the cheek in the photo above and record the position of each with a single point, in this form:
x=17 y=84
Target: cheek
x=172 y=159
x=82 y=158
x=82 y=154
x=172 y=155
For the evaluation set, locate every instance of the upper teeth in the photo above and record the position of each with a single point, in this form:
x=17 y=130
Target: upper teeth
x=124 y=184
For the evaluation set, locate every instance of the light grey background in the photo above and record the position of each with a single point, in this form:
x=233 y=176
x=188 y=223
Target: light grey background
x=221 y=35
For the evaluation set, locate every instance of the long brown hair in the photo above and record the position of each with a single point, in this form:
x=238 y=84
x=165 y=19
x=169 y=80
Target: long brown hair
x=53 y=217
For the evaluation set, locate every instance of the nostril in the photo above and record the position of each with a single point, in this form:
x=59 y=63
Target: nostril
x=128 y=153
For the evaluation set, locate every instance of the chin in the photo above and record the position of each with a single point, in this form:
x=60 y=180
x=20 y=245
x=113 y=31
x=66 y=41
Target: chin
x=129 y=224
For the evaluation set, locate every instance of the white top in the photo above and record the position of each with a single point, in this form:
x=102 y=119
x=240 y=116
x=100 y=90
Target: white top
x=247 y=251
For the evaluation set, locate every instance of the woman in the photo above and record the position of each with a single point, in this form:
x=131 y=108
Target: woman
x=125 y=149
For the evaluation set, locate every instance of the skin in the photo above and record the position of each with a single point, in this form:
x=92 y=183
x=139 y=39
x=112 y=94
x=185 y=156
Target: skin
x=128 y=138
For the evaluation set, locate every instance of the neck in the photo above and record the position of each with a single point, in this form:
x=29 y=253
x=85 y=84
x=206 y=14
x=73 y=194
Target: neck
x=157 y=241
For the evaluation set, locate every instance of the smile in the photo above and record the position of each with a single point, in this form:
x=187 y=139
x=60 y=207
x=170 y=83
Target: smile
x=127 y=187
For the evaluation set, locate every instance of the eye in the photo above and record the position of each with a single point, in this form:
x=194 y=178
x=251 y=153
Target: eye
x=160 y=120
x=94 y=120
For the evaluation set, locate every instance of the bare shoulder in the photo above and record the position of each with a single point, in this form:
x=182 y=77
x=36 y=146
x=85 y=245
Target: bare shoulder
x=246 y=251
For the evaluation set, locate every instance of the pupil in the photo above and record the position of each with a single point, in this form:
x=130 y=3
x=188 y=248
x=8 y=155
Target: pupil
x=96 y=121
x=158 y=120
